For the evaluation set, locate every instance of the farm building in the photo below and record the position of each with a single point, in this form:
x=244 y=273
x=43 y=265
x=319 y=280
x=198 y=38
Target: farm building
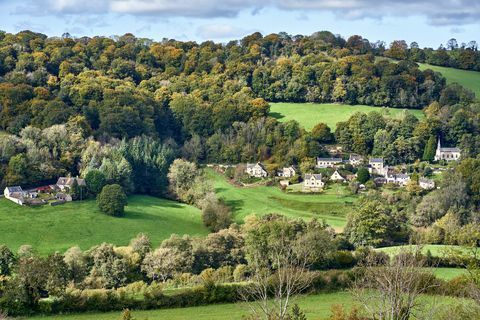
x=15 y=194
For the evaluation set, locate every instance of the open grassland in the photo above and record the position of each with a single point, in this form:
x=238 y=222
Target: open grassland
x=436 y=250
x=332 y=205
x=50 y=229
x=468 y=79
x=316 y=307
x=310 y=114
x=447 y=273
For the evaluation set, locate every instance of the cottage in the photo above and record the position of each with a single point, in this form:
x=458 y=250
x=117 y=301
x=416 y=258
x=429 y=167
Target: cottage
x=313 y=182
x=287 y=172
x=379 y=181
x=355 y=160
x=15 y=194
x=375 y=166
x=65 y=183
x=256 y=170
x=426 y=184
x=398 y=179
x=447 y=154
x=63 y=197
x=336 y=176
x=328 y=162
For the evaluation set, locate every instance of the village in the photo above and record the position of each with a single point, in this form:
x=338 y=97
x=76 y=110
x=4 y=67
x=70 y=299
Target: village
x=339 y=170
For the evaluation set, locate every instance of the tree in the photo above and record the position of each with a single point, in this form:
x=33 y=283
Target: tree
x=163 y=263
x=7 y=261
x=279 y=256
x=363 y=175
x=112 y=200
x=430 y=149
x=322 y=133
x=216 y=215
x=76 y=264
x=141 y=244
x=95 y=181
x=392 y=290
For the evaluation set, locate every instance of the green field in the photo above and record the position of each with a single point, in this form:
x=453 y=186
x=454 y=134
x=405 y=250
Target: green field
x=468 y=79
x=332 y=205
x=437 y=250
x=80 y=223
x=316 y=307
x=310 y=114
x=448 y=273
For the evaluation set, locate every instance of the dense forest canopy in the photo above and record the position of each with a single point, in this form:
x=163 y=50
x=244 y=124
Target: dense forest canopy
x=128 y=106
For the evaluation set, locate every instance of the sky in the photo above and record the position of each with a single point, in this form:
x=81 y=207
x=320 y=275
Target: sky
x=428 y=22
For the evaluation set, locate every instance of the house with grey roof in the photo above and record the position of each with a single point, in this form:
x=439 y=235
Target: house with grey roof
x=15 y=194
x=328 y=162
x=398 y=178
x=376 y=166
x=426 y=184
x=66 y=183
x=287 y=172
x=313 y=182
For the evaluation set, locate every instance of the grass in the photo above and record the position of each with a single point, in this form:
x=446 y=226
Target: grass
x=316 y=307
x=50 y=229
x=310 y=114
x=436 y=250
x=447 y=273
x=466 y=78
x=332 y=205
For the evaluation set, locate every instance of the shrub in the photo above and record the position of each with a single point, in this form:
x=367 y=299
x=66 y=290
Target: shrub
x=112 y=200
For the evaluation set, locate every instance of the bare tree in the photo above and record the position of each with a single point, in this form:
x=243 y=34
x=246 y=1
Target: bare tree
x=280 y=271
x=391 y=290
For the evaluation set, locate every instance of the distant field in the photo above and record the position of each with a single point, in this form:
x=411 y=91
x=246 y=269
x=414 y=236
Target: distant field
x=49 y=229
x=447 y=273
x=468 y=79
x=332 y=205
x=310 y=114
x=435 y=250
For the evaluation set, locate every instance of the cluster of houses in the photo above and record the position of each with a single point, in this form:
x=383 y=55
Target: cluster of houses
x=382 y=173
x=56 y=193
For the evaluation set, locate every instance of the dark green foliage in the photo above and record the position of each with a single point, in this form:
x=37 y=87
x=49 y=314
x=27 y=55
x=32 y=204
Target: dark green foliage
x=7 y=261
x=95 y=181
x=112 y=200
x=430 y=147
x=363 y=175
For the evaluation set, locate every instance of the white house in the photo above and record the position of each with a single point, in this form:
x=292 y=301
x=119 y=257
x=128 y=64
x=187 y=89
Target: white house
x=398 y=179
x=336 y=176
x=328 y=162
x=65 y=183
x=426 y=184
x=287 y=172
x=355 y=159
x=375 y=165
x=313 y=182
x=256 y=170
x=15 y=194
x=447 y=154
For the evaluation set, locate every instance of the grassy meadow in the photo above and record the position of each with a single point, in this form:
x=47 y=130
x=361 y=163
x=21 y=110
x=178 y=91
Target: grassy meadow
x=331 y=205
x=316 y=307
x=310 y=114
x=468 y=79
x=58 y=228
x=437 y=250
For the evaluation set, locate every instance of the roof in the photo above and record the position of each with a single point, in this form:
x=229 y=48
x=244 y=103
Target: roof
x=317 y=176
x=336 y=171
x=68 y=181
x=455 y=149
x=330 y=159
x=425 y=180
x=399 y=176
x=355 y=157
x=14 y=189
x=375 y=160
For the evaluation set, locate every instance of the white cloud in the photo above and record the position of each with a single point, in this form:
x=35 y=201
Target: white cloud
x=221 y=31
x=437 y=12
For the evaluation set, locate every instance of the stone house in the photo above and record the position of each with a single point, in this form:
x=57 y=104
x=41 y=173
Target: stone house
x=336 y=176
x=328 y=162
x=66 y=183
x=426 y=184
x=355 y=160
x=256 y=170
x=376 y=166
x=15 y=194
x=287 y=172
x=398 y=179
x=313 y=182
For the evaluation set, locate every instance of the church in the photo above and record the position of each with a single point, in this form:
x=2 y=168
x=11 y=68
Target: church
x=447 y=154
